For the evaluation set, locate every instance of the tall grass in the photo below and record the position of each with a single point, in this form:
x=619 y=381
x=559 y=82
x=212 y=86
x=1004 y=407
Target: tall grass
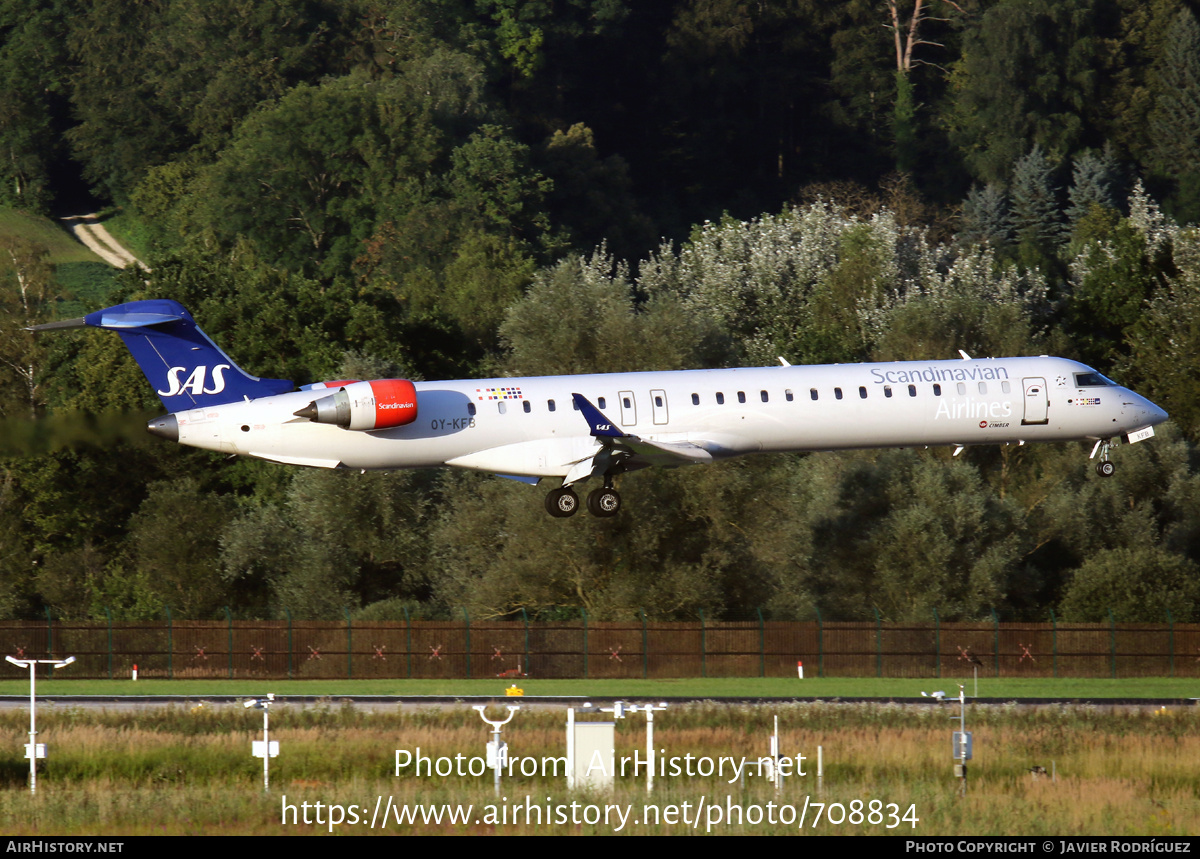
x=189 y=771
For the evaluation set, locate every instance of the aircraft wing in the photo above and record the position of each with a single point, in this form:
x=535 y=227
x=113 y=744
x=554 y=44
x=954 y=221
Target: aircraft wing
x=633 y=450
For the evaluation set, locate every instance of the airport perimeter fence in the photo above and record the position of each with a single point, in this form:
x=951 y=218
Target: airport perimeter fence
x=573 y=649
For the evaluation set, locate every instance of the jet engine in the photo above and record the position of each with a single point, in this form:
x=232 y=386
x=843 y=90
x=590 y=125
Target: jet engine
x=382 y=404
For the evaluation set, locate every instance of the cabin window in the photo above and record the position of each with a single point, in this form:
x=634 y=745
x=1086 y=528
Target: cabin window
x=502 y=406
x=602 y=403
x=887 y=390
x=550 y=405
x=628 y=402
x=983 y=387
x=962 y=388
x=787 y=395
x=764 y=396
x=862 y=392
x=1004 y=386
x=658 y=402
x=527 y=407
x=912 y=390
x=695 y=399
x=470 y=408
x=812 y=392
x=741 y=396
x=937 y=390
x=720 y=399
x=837 y=393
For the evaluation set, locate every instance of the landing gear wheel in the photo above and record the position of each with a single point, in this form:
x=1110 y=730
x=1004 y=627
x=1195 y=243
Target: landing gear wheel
x=1105 y=468
x=604 y=502
x=562 y=503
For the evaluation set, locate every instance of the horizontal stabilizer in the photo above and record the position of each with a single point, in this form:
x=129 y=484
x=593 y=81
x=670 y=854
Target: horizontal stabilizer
x=186 y=368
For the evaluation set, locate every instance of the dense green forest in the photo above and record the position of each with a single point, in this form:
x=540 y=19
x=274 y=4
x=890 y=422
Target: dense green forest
x=447 y=188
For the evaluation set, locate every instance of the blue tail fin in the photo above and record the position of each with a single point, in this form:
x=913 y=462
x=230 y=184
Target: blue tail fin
x=185 y=368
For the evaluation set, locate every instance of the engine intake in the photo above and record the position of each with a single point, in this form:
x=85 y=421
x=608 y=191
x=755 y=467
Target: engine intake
x=381 y=404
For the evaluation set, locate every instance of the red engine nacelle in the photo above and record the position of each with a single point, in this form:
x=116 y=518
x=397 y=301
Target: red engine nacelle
x=381 y=404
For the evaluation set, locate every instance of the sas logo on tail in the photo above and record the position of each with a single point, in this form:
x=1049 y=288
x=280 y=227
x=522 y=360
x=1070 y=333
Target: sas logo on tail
x=195 y=383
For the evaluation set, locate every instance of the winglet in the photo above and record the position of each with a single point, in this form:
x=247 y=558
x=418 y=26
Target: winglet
x=601 y=426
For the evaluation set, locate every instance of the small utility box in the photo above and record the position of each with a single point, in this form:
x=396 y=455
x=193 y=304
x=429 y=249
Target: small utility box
x=594 y=758
x=259 y=748
x=961 y=751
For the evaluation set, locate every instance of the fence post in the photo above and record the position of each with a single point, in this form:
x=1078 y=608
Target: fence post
x=878 y=643
x=467 y=618
x=645 y=648
x=525 y=617
x=229 y=619
x=937 y=641
x=49 y=640
x=583 y=611
x=1112 y=641
x=170 y=644
x=996 y=639
x=1171 y=641
x=407 y=638
x=762 y=645
x=349 y=644
x=703 y=645
x=287 y=612
x=1054 y=640
x=820 y=643
x=108 y=615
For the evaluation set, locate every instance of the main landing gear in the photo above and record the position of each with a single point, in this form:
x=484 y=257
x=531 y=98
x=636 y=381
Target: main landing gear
x=603 y=502
x=1105 y=467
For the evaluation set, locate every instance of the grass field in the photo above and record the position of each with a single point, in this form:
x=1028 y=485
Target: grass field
x=777 y=687
x=188 y=771
x=85 y=278
x=54 y=237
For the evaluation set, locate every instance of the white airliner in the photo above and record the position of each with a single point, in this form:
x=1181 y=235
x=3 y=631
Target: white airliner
x=572 y=428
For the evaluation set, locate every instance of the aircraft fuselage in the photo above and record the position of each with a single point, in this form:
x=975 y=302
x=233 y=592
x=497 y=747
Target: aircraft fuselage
x=530 y=427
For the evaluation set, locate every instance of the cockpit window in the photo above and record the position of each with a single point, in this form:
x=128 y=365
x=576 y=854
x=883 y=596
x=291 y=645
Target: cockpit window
x=1092 y=380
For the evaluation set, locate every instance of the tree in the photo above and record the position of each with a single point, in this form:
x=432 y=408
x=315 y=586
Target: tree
x=1094 y=182
x=1175 y=119
x=580 y=317
x=333 y=541
x=27 y=296
x=985 y=217
x=1112 y=276
x=1036 y=219
x=1166 y=338
x=1030 y=74
x=1136 y=585
x=33 y=99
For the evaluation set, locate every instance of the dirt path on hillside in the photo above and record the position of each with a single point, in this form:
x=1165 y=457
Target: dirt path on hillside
x=89 y=230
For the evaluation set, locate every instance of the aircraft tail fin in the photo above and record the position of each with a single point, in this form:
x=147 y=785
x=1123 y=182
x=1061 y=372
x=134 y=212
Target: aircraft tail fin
x=185 y=368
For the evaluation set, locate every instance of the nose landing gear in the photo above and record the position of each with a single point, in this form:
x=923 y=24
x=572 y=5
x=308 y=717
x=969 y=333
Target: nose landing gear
x=1105 y=467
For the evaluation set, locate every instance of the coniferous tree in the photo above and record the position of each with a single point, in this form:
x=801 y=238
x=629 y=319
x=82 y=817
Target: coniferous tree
x=985 y=217
x=1175 y=120
x=1094 y=182
x=1035 y=218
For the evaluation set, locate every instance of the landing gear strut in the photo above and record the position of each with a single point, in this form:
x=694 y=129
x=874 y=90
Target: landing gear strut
x=1105 y=467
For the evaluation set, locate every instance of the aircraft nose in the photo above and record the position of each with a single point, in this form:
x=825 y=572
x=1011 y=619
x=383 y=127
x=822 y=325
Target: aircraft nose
x=1150 y=412
x=165 y=427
